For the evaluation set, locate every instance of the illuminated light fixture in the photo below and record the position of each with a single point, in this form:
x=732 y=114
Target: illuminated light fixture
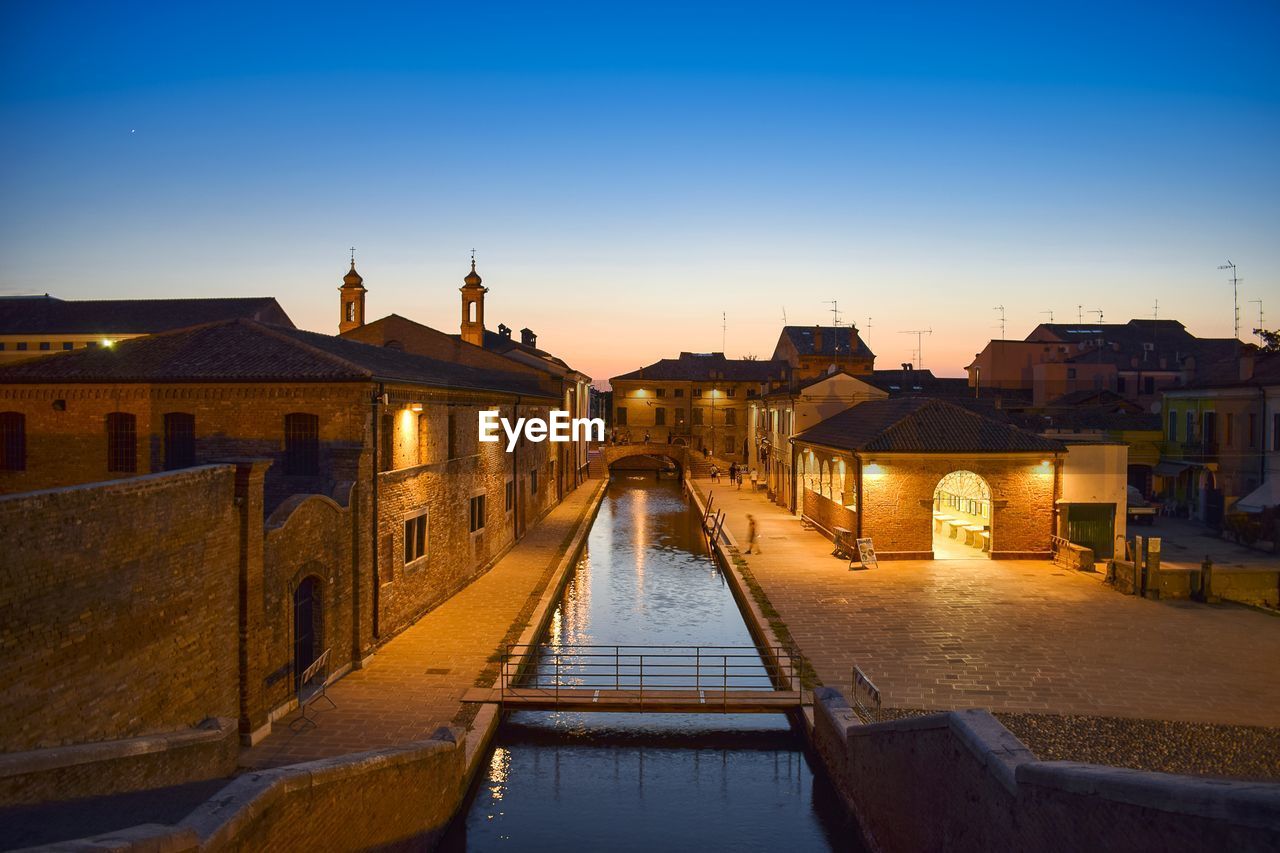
x=873 y=470
x=415 y=407
x=1044 y=463
x=107 y=342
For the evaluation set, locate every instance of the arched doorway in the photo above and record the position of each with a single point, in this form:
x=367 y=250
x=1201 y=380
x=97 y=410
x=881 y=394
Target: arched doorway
x=962 y=517
x=307 y=614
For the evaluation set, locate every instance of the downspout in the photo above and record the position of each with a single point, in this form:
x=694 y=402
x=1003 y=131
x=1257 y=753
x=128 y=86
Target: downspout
x=1262 y=445
x=517 y=533
x=377 y=581
x=857 y=460
x=792 y=492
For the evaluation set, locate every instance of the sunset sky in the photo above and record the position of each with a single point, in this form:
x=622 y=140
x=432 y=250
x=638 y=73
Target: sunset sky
x=627 y=172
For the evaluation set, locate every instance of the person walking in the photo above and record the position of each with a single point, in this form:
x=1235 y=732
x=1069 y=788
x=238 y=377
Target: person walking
x=752 y=547
x=733 y=471
x=715 y=473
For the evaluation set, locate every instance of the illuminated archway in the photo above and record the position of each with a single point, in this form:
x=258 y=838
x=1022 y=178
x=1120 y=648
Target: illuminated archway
x=962 y=516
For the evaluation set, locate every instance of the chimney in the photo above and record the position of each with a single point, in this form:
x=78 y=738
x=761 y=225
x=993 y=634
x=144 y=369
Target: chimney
x=528 y=338
x=504 y=331
x=817 y=339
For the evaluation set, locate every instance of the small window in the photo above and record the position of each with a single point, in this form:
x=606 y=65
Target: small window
x=1071 y=373
x=1173 y=425
x=20 y=345
x=730 y=391
x=697 y=417
x=351 y=312
x=415 y=538
x=2 y=346
x=660 y=416
x=301 y=444
x=67 y=345
x=662 y=392
x=679 y=392
x=179 y=440
x=122 y=443
x=477 y=513
x=697 y=392
x=1148 y=385
x=621 y=419
x=46 y=345
x=13 y=441
x=511 y=495
x=730 y=417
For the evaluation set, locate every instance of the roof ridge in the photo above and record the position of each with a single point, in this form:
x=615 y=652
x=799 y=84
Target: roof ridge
x=279 y=334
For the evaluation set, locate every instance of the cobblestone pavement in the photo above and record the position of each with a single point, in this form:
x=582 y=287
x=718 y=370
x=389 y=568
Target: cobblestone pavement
x=415 y=682
x=1008 y=635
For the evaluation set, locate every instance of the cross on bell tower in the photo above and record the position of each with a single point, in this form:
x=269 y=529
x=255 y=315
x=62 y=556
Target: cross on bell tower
x=473 y=305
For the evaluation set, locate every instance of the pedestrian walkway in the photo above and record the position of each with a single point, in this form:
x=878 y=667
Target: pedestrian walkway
x=1008 y=635
x=415 y=682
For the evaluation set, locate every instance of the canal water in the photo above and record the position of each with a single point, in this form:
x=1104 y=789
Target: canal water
x=598 y=781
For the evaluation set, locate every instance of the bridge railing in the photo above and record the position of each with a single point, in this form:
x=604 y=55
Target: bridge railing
x=717 y=671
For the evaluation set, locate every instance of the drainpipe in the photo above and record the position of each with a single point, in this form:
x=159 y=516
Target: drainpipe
x=377 y=581
x=791 y=492
x=857 y=461
x=1262 y=446
x=515 y=480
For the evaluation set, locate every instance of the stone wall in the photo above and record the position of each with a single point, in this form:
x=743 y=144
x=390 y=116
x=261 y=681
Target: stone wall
x=897 y=503
x=828 y=514
x=981 y=789
x=120 y=607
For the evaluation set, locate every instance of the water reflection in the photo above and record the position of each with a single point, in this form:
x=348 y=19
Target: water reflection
x=597 y=781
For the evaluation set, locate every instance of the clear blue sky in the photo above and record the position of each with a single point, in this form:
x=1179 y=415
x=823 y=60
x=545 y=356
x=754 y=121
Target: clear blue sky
x=628 y=172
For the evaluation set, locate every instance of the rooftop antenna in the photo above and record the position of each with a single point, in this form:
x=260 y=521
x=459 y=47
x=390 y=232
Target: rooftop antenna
x=1080 y=315
x=868 y=331
x=1050 y=313
x=1235 y=294
x=1155 y=310
x=1261 y=325
x=1097 y=311
x=1000 y=308
x=835 y=312
x=724 y=329
x=919 y=351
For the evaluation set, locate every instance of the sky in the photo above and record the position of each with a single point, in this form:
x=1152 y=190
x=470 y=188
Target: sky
x=639 y=179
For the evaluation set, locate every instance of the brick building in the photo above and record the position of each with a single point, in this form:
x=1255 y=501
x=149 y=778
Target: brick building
x=699 y=400
x=812 y=351
x=892 y=469
x=33 y=326
x=477 y=347
x=359 y=498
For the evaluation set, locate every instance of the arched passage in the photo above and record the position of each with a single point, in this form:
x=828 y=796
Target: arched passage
x=962 y=517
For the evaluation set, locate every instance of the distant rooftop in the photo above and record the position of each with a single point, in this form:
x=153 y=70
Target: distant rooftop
x=49 y=315
x=706 y=367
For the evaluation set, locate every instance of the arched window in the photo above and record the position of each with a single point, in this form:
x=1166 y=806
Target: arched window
x=13 y=441
x=122 y=443
x=301 y=444
x=179 y=440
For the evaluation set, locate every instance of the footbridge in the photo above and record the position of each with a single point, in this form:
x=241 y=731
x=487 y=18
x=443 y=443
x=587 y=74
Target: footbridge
x=611 y=453
x=646 y=679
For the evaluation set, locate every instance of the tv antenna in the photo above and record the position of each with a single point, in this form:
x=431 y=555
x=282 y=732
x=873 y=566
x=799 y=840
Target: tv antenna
x=724 y=329
x=1097 y=311
x=835 y=312
x=1261 y=325
x=1235 y=294
x=919 y=350
x=1155 y=310
x=1000 y=308
x=1080 y=315
x=868 y=331
x=1050 y=313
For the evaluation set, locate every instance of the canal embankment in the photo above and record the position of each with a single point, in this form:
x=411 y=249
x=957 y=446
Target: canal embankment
x=981 y=787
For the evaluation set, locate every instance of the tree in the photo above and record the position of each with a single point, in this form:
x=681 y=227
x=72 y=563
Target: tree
x=1270 y=340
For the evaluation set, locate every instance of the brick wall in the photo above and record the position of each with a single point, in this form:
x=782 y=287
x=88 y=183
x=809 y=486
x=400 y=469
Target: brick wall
x=897 y=503
x=120 y=607
x=827 y=513
x=981 y=789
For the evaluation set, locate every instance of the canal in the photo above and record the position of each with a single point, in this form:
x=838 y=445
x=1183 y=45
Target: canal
x=597 y=781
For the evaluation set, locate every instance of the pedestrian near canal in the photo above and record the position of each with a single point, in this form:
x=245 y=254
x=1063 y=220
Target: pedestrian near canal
x=752 y=547
x=733 y=472
x=715 y=474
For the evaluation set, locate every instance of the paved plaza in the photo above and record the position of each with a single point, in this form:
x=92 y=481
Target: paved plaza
x=1022 y=636
x=415 y=682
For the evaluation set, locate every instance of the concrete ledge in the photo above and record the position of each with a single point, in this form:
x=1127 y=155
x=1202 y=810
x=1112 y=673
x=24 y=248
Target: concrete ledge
x=143 y=838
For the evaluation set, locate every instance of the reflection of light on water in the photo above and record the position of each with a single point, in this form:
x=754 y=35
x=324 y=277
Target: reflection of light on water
x=499 y=767
x=640 y=531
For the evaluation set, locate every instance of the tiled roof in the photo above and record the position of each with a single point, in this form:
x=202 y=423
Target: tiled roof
x=707 y=367
x=247 y=351
x=922 y=425
x=919 y=381
x=836 y=340
x=48 y=315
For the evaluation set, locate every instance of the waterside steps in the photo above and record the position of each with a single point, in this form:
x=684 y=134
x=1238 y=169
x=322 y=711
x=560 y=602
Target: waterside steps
x=646 y=679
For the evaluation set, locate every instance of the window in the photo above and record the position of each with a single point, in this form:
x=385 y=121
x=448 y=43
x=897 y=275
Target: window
x=20 y=345
x=122 y=442
x=1209 y=428
x=477 y=513
x=730 y=417
x=13 y=441
x=301 y=444
x=697 y=417
x=1191 y=428
x=622 y=416
x=679 y=417
x=67 y=345
x=662 y=392
x=1148 y=385
x=1253 y=431
x=45 y=345
x=2 y=346
x=659 y=416
x=351 y=312
x=1071 y=373
x=1230 y=436
x=1173 y=425
x=415 y=538
x=511 y=495
x=730 y=391
x=679 y=392
x=1275 y=431
x=179 y=440
x=697 y=392
x=533 y=481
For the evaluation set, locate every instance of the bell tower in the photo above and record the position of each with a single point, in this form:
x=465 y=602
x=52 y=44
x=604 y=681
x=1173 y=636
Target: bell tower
x=351 y=299
x=473 y=306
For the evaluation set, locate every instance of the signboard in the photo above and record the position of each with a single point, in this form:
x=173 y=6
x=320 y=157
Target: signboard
x=867 y=554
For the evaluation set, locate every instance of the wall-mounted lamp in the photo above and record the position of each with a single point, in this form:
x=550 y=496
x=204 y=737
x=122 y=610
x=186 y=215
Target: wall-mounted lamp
x=415 y=407
x=873 y=470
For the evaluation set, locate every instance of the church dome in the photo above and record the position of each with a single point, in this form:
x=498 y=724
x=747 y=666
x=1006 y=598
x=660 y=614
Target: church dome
x=473 y=278
x=352 y=278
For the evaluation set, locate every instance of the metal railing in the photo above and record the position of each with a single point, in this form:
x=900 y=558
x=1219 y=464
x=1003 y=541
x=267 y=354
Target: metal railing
x=866 y=696
x=656 y=672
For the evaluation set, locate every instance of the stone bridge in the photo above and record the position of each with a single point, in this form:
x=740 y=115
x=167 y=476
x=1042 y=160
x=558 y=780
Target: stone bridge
x=611 y=453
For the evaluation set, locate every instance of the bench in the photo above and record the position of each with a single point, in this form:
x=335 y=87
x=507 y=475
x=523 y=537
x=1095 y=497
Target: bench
x=311 y=688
